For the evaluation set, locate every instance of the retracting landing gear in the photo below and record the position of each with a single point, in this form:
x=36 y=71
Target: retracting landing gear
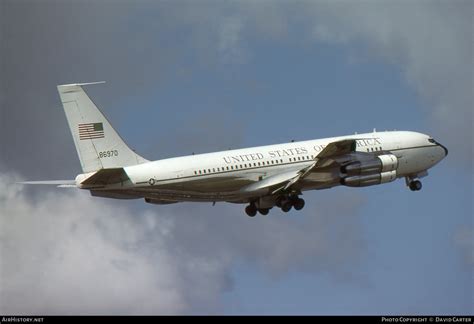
x=298 y=203
x=251 y=210
x=413 y=183
x=286 y=203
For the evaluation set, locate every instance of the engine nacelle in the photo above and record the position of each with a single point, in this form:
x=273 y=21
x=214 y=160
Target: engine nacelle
x=369 y=179
x=381 y=163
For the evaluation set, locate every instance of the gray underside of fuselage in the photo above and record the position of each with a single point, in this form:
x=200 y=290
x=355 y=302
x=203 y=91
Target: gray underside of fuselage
x=212 y=189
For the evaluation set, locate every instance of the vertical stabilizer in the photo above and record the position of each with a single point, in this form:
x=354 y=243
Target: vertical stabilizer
x=97 y=143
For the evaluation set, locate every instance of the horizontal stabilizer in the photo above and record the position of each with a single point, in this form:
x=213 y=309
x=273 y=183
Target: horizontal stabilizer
x=81 y=84
x=105 y=177
x=59 y=183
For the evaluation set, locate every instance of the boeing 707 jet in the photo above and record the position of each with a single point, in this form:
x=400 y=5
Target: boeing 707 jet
x=260 y=177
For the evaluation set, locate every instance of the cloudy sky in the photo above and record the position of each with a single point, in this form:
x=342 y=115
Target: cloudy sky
x=199 y=76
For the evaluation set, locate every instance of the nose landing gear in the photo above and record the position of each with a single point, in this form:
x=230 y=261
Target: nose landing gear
x=415 y=185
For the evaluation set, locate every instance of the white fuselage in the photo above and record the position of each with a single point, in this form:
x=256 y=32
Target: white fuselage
x=220 y=176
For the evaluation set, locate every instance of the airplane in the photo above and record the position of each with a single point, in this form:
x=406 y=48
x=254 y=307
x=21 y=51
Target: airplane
x=261 y=177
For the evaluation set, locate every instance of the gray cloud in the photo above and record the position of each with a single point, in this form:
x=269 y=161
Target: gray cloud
x=464 y=239
x=68 y=253
x=229 y=45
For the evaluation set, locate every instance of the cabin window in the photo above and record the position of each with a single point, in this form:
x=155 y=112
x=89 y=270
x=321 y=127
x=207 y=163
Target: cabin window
x=281 y=160
x=213 y=170
x=367 y=150
x=241 y=166
x=299 y=158
x=195 y=172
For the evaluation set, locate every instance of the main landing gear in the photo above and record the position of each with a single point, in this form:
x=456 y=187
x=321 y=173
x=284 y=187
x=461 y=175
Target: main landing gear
x=285 y=203
x=251 y=210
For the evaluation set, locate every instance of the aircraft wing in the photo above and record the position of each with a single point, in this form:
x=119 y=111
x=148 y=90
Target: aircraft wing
x=283 y=181
x=337 y=148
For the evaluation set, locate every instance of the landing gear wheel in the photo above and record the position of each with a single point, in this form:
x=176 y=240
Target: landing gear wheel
x=286 y=207
x=298 y=204
x=251 y=210
x=415 y=185
x=264 y=211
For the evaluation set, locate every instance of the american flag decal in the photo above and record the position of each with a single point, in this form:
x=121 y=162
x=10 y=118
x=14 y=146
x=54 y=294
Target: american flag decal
x=91 y=131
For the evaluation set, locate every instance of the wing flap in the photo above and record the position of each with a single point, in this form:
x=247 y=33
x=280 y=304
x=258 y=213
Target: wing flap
x=272 y=181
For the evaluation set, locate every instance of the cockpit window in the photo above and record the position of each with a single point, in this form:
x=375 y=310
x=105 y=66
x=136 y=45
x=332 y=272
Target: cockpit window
x=431 y=140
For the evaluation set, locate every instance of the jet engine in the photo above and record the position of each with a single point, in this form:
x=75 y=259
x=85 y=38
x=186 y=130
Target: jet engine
x=379 y=170
x=369 y=179
x=381 y=163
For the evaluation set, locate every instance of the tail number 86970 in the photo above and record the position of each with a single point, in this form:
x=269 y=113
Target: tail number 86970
x=106 y=154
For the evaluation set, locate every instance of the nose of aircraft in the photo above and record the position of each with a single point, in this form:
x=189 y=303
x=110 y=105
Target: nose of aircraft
x=444 y=148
